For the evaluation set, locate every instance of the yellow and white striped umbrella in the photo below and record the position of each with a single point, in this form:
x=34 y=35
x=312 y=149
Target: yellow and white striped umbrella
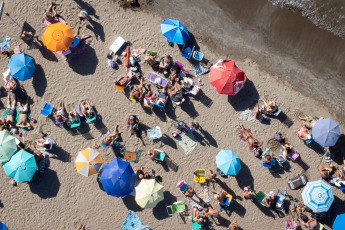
x=88 y=162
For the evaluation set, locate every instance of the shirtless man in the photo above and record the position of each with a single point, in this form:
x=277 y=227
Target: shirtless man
x=249 y=137
x=137 y=93
x=23 y=117
x=211 y=212
x=271 y=106
x=109 y=139
x=248 y=193
x=326 y=173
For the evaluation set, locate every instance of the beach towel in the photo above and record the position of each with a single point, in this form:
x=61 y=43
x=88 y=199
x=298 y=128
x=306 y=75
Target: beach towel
x=243 y=139
x=247 y=115
x=205 y=195
x=138 y=52
x=16 y=115
x=187 y=142
x=132 y=222
x=199 y=70
x=5 y=44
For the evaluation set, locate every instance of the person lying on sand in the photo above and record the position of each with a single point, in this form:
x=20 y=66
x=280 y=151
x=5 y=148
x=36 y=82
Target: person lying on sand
x=123 y=80
x=161 y=98
x=303 y=133
x=60 y=113
x=11 y=106
x=326 y=173
x=249 y=137
x=132 y=124
x=259 y=114
x=248 y=193
x=23 y=114
x=137 y=93
x=309 y=121
x=109 y=139
x=270 y=107
x=141 y=174
x=210 y=174
x=211 y=212
x=50 y=14
x=26 y=35
x=44 y=143
x=233 y=226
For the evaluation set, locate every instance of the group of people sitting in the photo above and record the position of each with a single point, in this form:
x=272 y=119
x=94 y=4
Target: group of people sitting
x=333 y=175
x=86 y=111
x=261 y=112
x=304 y=130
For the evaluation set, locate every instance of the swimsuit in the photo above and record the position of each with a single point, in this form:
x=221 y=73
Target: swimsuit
x=10 y=112
x=23 y=109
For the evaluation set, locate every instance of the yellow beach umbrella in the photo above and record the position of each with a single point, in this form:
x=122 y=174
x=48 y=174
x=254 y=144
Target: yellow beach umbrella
x=88 y=162
x=148 y=193
x=58 y=37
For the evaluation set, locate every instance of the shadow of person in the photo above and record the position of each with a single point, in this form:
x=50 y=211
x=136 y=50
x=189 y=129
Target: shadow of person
x=84 y=63
x=246 y=98
x=131 y=204
x=84 y=5
x=264 y=210
x=97 y=29
x=157 y=212
x=167 y=140
x=189 y=108
x=39 y=81
x=206 y=137
x=46 y=185
x=316 y=147
x=60 y=154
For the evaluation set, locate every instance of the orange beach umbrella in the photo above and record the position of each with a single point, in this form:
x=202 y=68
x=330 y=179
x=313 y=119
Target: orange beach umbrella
x=57 y=37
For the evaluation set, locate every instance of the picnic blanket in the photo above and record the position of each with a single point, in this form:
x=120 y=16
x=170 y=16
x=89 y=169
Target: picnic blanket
x=16 y=115
x=5 y=43
x=187 y=142
x=247 y=115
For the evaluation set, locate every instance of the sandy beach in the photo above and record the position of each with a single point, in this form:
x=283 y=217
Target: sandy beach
x=62 y=198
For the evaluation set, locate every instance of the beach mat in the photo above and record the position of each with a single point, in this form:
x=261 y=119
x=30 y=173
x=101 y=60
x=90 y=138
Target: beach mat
x=187 y=142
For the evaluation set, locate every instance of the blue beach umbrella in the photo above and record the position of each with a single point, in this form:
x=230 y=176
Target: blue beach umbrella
x=228 y=162
x=339 y=223
x=118 y=178
x=3 y=227
x=326 y=132
x=21 y=167
x=174 y=31
x=21 y=66
x=318 y=196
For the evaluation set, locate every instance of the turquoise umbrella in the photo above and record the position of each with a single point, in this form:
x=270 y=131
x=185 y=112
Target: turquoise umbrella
x=21 y=167
x=228 y=162
x=21 y=66
x=7 y=146
x=339 y=222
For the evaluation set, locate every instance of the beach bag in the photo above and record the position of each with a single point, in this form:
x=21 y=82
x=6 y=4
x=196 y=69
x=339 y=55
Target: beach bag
x=297 y=182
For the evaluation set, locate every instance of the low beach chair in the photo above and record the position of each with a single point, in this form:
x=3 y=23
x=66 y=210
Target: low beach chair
x=158 y=105
x=187 y=51
x=179 y=65
x=194 y=90
x=47 y=109
x=75 y=124
x=177 y=207
x=196 y=225
x=197 y=55
x=159 y=155
x=51 y=142
x=266 y=165
x=200 y=176
x=157 y=80
x=182 y=186
x=58 y=122
x=89 y=119
x=260 y=196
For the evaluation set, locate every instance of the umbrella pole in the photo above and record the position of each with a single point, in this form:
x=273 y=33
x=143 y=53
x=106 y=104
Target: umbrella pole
x=8 y=15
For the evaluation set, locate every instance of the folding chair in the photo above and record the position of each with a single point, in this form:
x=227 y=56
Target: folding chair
x=47 y=109
x=200 y=176
x=260 y=196
x=187 y=51
x=177 y=207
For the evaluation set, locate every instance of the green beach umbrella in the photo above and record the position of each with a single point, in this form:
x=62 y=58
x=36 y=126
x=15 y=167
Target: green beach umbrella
x=7 y=146
x=21 y=167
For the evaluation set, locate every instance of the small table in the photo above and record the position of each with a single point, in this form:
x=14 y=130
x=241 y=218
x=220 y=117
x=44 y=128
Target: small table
x=130 y=156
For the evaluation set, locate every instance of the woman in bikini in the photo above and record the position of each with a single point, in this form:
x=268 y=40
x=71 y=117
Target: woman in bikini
x=249 y=137
x=137 y=93
x=303 y=133
x=326 y=173
x=60 y=113
x=309 y=121
x=86 y=109
x=132 y=124
x=11 y=106
x=23 y=117
x=109 y=139
x=73 y=116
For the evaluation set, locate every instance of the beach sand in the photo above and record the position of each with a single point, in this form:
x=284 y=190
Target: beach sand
x=61 y=198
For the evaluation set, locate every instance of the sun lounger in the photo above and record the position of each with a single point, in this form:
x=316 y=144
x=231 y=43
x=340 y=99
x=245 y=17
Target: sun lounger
x=157 y=80
x=117 y=45
x=177 y=207
x=75 y=124
x=159 y=155
x=187 y=51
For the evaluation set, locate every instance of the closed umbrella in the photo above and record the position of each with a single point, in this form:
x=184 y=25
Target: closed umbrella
x=226 y=77
x=228 y=162
x=7 y=146
x=118 y=178
x=88 y=162
x=58 y=37
x=339 y=223
x=174 y=31
x=21 y=66
x=318 y=196
x=326 y=132
x=148 y=193
x=21 y=167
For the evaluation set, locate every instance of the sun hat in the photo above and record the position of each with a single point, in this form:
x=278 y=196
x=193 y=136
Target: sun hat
x=83 y=14
x=272 y=194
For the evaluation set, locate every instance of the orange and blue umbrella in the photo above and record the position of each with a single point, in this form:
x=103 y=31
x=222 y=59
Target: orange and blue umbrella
x=21 y=66
x=118 y=178
x=174 y=31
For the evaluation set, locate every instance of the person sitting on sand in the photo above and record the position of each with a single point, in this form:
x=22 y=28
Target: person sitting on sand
x=268 y=157
x=309 y=121
x=60 y=113
x=175 y=94
x=108 y=140
x=249 y=137
x=141 y=174
x=10 y=85
x=270 y=107
x=23 y=117
x=151 y=61
x=219 y=197
x=288 y=149
x=248 y=193
x=78 y=39
x=27 y=35
x=210 y=174
x=270 y=200
x=233 y=226
x=86 y=109
x=44 y=143
x=149 y=99
x=259 y=114
x=174 y=75
x=132 y=124
x=8 y=53
x=310 y=222
x=197 y=217
x=2 y=123
x=165 y=63
x=11 y=107
x=303 y=133
x=83 y=16
x=326 y=173
x=338 y=180
x=137 y=93
x=50 y=14
x=161 y=98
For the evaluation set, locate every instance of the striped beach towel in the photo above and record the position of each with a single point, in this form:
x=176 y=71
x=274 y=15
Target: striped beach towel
x=199 y=70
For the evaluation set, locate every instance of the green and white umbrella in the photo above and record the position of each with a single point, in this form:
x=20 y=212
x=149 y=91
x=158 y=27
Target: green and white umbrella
x=7 y=146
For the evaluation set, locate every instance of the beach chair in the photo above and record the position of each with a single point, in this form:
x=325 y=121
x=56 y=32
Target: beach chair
x=197 y=55
x=59 y=122
x=200 y=176
x=159 y=155
x=196 y=225
x=227 y=200
x=182 y=186
x=281 y=194
x=148 y=105
x=179 y=65
x=194 y=90
x=154 y=133
x=260 y=196
x=89 y=119
x=75 y=124
x=157 y=80
x=119 y=87
x=47 y=109
x=117 y=45
x=266 y=165
x=177 y=207
x=187 y=51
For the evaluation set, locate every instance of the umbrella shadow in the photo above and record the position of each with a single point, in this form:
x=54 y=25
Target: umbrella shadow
x=246 y=98
x=46 y=185
x=39 y=81
x=338 y=150
x=244 y=177
x=84 y=63
x=131 y=204
x=265 y=210
x=157 y=212
x=191 y=41
x=336 y=209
